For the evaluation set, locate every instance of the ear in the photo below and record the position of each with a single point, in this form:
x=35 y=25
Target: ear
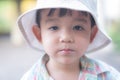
x=93 y=33
x=36 y=31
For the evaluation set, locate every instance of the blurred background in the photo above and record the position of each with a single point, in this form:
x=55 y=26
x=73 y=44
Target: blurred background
x=16 y=57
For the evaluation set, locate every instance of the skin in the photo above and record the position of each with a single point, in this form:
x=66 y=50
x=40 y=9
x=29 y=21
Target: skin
x=65 y=40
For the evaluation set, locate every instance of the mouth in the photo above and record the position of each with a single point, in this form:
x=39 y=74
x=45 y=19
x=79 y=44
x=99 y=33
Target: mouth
x=66 y=51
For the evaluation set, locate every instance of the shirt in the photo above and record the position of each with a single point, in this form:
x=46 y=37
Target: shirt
x=91 y=70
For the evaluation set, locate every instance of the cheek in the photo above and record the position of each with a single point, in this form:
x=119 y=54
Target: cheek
x=48 y=42
x=82 y=44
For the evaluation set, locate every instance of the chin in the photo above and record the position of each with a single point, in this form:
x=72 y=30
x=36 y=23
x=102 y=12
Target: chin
x=67 y=61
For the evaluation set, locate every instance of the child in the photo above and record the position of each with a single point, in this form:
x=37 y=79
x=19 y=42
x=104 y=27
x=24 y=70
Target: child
x=66 y=30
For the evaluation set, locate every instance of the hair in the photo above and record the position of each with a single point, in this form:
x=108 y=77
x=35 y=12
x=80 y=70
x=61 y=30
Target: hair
x=62 y=13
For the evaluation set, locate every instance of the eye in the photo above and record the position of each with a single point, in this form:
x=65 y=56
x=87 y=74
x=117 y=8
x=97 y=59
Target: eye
x=77 y=27
x=54 y=28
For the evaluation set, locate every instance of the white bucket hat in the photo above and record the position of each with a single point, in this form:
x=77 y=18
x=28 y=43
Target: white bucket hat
x=27 y=20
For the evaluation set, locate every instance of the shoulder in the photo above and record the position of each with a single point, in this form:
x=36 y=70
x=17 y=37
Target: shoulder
x=104 y=70
x=26 y=76
x=108 y=71
x=34 y=72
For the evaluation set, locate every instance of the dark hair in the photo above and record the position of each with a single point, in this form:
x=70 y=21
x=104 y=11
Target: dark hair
x=62 y=13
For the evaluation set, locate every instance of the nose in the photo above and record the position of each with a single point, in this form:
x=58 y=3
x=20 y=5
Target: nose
x=66 y=37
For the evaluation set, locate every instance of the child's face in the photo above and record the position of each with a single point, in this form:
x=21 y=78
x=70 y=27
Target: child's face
x=65 y=39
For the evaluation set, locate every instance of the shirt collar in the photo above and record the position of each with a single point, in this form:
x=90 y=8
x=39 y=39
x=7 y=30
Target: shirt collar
x=93 y=66
x=90 y=68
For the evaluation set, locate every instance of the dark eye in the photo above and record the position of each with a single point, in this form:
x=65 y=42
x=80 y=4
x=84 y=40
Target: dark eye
x=77 y=27
x=53 y=28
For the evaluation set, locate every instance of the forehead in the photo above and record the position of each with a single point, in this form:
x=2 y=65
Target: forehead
x=64 y=12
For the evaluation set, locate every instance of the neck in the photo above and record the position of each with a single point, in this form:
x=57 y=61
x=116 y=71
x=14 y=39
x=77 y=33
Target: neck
x=63 y=68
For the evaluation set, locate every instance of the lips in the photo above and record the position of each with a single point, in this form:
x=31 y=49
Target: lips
x=66 y=51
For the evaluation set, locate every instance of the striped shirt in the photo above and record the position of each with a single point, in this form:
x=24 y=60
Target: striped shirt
x=91 y=70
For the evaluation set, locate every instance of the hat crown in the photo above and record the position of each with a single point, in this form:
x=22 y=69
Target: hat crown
x=91 y=4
